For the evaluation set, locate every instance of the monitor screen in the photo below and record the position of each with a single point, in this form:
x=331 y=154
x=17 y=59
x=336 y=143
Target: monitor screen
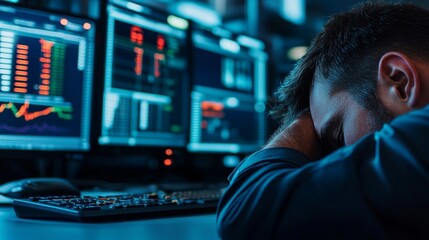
x=228 y=94
x=46 y=64
x=146 y=79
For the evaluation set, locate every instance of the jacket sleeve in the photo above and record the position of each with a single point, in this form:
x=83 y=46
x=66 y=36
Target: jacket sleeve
x=377 y=188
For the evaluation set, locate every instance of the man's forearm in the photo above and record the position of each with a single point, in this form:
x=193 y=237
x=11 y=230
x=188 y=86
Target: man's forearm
x=380 y=179
x=239 y=209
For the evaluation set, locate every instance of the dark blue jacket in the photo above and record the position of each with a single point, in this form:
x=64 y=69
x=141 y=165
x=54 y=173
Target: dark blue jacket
x=377 y=188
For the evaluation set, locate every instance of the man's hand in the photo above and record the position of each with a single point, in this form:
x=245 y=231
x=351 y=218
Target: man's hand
x=299 y=135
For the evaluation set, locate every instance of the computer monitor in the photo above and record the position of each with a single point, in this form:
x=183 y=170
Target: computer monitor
x=229 y=92
x=46 y=63
x=146 y=78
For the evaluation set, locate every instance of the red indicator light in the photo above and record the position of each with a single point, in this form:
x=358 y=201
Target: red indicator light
x=168 y=152
x=86 y=26
x=64 y=21
x=168 y=162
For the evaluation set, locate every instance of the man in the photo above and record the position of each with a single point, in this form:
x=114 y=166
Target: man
x=351 y=159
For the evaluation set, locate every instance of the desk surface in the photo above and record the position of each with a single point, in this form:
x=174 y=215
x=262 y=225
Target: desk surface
x=177 y=228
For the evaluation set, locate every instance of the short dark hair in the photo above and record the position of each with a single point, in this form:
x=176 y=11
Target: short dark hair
x=347 y=51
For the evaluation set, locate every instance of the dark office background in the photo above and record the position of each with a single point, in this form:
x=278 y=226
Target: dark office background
x=285 y=26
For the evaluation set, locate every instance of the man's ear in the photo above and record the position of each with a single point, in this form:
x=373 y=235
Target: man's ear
x=398 y=82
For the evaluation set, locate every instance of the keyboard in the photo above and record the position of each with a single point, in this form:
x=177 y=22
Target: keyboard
x=118 y=207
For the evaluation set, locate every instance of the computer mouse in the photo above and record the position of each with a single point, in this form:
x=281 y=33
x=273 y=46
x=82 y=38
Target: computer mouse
x=33 y=187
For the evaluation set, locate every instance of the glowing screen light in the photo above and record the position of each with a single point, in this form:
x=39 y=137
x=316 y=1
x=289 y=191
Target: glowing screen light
x=177 y=22
x=296 y=53
x=198 y=12
x=294 y=11
x=135 y=7
x=229 y=45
